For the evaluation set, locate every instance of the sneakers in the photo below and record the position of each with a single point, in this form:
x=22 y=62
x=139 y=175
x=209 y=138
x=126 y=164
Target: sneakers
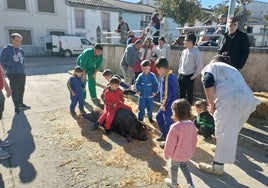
x=96 y=101
x=4 y=143
x=95 y=126
x=162 y=145
x=161 y=138
x=17 y=110
x=207 y=139
x=24 y=106
x=107 y=132
x=190 y=186
x=169 y=183
x=129 y=92
x=83 y=112
x=4 y=154
x=212 y=168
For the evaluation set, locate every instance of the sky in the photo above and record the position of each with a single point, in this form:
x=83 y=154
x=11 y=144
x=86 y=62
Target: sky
x=205 y=3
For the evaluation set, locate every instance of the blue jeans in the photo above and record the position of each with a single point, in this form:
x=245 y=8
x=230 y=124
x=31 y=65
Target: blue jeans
x=174 y=172
x=145 y=103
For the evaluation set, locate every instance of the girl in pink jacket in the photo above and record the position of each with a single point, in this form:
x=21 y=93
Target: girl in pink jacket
x=181 y=142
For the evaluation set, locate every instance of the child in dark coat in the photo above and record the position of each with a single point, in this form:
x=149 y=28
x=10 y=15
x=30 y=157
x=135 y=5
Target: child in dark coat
x=204 y=121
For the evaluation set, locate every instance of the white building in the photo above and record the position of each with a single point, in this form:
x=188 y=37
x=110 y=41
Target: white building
x=34 y=19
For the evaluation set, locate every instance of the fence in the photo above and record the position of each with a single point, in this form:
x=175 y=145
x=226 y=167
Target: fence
x=257 y=39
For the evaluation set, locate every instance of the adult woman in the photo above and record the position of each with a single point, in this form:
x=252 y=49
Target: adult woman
x=230 y=102
x=163 y=49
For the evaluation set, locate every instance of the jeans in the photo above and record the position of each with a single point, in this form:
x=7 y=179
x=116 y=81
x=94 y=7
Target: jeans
x=174 y=172
x=17 y=84
x=186 y=87
x=128 y=75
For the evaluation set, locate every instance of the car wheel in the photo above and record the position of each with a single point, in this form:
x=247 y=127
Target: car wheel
x=67 y=53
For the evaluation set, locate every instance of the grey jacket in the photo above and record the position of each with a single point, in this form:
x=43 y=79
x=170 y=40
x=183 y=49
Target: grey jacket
x=130 y=56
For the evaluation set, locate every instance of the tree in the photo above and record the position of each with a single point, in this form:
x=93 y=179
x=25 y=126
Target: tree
x=181 y=11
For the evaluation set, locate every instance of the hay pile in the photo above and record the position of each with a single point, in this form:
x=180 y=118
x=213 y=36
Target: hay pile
x=262 y=109
x=142 y=162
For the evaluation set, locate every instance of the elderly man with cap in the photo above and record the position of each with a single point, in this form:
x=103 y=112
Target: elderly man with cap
x=123 y=29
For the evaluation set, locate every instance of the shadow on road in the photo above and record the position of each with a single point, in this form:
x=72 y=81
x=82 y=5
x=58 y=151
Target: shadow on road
x=22 y=147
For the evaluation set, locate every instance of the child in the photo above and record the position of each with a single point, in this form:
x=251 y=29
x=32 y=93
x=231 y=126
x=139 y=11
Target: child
x=108 y=74
x=153 y=60
x=190 y=66
x=76 y=88
x=204 y=121
x=113 y=100
x=147 y=87
x=168 y=94
x=181 y=142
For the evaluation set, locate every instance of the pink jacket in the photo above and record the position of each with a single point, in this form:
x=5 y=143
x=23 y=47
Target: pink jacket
x=181 y=141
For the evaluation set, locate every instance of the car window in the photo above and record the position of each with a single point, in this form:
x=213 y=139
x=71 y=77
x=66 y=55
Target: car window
x=85 y=42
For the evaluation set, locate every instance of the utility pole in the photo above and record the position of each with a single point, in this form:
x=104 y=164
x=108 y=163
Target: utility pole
x=231 y=9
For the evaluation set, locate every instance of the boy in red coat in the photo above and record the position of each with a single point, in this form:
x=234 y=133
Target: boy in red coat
x=113 y=100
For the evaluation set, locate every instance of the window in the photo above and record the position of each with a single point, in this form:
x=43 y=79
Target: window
x=145 y=20
x=26 y=34
x=15 y=4
x=79 y=19
x=46 y=6
x=105 y=21
x=85 y=42
x=59 y=33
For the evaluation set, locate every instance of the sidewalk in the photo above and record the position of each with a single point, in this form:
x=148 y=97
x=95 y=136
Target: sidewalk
x=53 y=150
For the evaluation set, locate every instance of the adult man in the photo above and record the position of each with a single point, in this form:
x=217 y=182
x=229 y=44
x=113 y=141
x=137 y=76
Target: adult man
x=3 y=84
x=235 y=44
x=12 y=60
x=123 y=29
x=91 y=60
x=222 y=23
x=190 y=66
x=130 y=57
x=230 y=101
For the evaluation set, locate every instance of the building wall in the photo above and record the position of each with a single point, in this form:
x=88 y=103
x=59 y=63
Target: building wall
x=258 y=9
x=39 y=23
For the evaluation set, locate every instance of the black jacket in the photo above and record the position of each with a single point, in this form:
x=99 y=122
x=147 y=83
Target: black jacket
x=237 y=47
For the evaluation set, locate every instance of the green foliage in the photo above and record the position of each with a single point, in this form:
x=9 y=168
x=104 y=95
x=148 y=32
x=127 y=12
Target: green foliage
x=265 y=18
x=181 y=11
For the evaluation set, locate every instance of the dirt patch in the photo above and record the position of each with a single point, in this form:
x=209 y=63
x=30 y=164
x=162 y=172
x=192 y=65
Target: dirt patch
x=92 y=159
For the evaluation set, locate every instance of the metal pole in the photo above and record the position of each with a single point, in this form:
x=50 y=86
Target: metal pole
x=231 y=9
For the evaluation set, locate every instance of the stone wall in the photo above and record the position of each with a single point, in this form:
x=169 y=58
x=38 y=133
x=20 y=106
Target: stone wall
x=255 y=71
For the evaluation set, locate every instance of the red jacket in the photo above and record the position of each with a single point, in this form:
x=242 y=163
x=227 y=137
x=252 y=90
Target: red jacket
x=113 y=100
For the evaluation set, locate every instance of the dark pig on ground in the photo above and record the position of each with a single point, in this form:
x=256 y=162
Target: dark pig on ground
x=126 y=124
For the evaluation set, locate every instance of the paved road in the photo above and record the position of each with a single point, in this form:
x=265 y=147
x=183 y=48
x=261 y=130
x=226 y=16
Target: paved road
x=46 y=92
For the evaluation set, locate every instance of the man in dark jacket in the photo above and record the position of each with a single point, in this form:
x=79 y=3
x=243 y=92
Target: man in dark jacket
x=235 y=44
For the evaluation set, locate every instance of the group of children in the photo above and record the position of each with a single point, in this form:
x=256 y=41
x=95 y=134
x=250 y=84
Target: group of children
x=173 y=117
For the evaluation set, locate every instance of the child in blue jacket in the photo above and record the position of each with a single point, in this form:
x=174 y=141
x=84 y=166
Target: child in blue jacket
x=76 y=88
x=168 y=94
x=147 y=87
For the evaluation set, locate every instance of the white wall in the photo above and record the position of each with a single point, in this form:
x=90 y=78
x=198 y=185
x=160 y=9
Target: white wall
x=38 y=22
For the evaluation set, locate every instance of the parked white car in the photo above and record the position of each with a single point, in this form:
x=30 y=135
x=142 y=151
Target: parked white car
x=69 y=45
